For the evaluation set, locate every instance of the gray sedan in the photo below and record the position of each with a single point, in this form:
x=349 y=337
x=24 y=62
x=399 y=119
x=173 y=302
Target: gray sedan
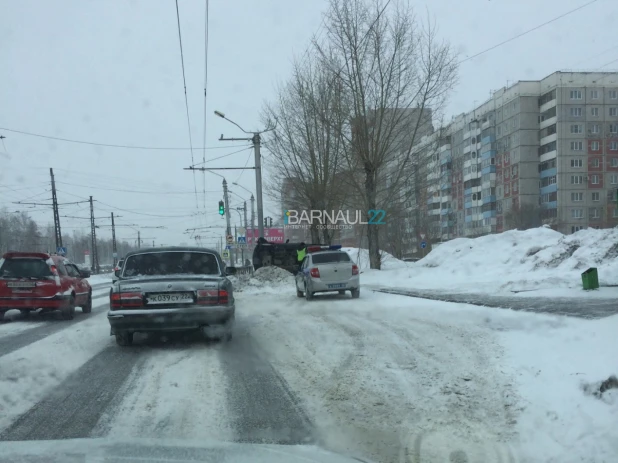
x=327 y=271
x=171 y=289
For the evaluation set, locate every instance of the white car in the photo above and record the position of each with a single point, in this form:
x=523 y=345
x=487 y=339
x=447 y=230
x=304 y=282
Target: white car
x=327 y=269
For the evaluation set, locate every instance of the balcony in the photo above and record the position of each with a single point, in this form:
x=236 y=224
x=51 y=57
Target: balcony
x=547 y=122
x=549 y=189
x=488 y=170
x=489 y=139
x=549 y=172
x=550 y=205
x=489 y=199
x=548 y=139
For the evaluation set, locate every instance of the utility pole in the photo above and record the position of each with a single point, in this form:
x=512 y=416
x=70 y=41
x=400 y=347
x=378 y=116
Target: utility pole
x=258 y=181
x=153 y=244
x=228 y=229
x=114 y=250
x=57 y=231
x=252 y=222
x=139 y=240
x=93 y=252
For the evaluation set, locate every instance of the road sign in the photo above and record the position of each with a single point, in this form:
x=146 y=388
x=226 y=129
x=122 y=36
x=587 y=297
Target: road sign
x=241 y=230
x=423 y=244
x=229 y=246
x=229 y=239
x=226 y=254
x=242 y=240
x=115 y=255
x=62 y=250
x=422 y=236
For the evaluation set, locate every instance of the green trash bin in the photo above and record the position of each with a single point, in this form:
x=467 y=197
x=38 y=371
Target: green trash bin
x=590 y=279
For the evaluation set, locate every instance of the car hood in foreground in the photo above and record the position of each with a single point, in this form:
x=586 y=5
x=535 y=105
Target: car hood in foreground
x=161 y=451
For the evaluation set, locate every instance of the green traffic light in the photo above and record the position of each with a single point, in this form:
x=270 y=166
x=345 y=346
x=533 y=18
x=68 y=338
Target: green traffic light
x=221 y=208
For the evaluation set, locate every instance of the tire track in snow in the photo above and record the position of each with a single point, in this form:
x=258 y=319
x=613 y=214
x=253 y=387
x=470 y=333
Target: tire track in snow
x=75 y=406
x=262 y=407
x=52 y=325
x=178 y=393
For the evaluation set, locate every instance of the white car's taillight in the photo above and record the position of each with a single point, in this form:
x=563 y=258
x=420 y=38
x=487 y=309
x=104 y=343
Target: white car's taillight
x=315 y=272
x=354 y=269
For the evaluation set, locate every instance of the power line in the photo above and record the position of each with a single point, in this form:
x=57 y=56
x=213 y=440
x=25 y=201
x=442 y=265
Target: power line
x=110 y=145
x=246 y=163
x=225 y=155
x=205 y=96
x=148 y=215
x=132 y=191
x=527 y=32
x=184 y=80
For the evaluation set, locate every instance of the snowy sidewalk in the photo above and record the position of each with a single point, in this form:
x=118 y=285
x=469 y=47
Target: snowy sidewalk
x=592 y=307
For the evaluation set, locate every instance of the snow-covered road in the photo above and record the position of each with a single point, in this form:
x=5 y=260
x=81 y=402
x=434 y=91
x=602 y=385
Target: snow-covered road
x=385 y=377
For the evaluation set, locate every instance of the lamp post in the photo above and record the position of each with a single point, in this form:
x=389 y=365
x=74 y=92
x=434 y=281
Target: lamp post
x=256 y=140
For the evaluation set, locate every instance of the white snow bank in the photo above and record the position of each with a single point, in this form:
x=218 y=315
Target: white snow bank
x=557 y=364
x=264 y=279
x=361 y=258
x=534 y=259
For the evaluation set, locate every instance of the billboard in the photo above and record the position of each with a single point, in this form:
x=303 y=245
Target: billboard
x=274 y=235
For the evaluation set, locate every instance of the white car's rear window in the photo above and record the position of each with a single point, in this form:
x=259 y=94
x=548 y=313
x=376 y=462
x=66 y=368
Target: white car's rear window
x=331 y=257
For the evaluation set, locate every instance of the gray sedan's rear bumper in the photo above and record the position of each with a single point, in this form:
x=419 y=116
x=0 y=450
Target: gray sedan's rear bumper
x=169 y=319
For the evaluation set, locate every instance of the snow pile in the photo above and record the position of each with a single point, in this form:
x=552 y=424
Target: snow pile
x=515 y=260
x=266 y=279
x=361 y=258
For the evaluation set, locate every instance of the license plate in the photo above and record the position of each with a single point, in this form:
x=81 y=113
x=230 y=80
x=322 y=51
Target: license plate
x=175 y=298
x=336 y=286
x=21 y=284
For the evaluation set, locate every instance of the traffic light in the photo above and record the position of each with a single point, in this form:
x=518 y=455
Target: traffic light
x=221 y=208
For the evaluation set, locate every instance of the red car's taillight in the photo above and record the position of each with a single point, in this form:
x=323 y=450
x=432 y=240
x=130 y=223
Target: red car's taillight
x=54 y=270
x=212 y=297
x=119 y=300
x=354 y=269
x=315 y=272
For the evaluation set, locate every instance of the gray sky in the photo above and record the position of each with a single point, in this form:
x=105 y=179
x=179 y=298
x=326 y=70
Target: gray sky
x=109 y=71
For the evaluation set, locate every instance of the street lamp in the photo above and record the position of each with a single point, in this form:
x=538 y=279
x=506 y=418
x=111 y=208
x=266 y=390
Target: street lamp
x=256 y=140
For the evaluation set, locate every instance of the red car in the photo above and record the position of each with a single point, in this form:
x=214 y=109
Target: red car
x=36 y=280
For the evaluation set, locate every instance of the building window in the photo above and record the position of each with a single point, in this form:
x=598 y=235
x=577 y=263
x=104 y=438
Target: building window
x=613 y=128
x=613 y=94
x=596 y=196
x=613 y=111
x=577 y=163
x=576 y=112
x=575 y=197
x=577 y=146
x=595 y=162
x=575 y=229
x=576 y=128
x=577 y=213
x=614 y=179
x=594 y=94
x=594 y=213
x=576 y=94
x=507 y=189
x=615 y=213
x=594 y=128
x=593 y=111
x=594 y=179
x=613 y=145
x=576 y=179
x=594 y=146
x=514 y=187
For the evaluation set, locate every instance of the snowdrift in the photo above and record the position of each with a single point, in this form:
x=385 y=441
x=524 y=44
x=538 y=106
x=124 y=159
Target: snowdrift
x=535 y=259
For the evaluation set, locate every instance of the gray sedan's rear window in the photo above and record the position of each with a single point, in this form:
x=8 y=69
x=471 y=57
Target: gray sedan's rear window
x=330 y=257
x=171 y=263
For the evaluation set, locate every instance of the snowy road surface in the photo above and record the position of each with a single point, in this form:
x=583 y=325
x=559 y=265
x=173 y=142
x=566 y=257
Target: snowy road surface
x=384 y=377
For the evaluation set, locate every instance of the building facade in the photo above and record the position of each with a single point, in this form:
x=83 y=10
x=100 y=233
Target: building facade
x=536 y=152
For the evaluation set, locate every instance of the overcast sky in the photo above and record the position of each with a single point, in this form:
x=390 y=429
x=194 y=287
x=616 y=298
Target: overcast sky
x=109 y=71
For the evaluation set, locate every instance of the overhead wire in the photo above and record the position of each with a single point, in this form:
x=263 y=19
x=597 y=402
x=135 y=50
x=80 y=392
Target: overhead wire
x=205 y=97
x=184 y=80
x=504 y=42
x=111 y=145
x=225 y=155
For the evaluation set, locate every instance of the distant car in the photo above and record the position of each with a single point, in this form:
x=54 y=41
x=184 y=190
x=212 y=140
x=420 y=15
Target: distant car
x=34 y=280
x=327 y=271
x=171 y=289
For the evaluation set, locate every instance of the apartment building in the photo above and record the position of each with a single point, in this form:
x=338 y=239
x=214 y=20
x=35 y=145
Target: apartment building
x=536 y=152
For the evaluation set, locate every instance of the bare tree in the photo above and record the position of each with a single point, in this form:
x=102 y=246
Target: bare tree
x=523 y=217
x=307 y=145
x=394 y=73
